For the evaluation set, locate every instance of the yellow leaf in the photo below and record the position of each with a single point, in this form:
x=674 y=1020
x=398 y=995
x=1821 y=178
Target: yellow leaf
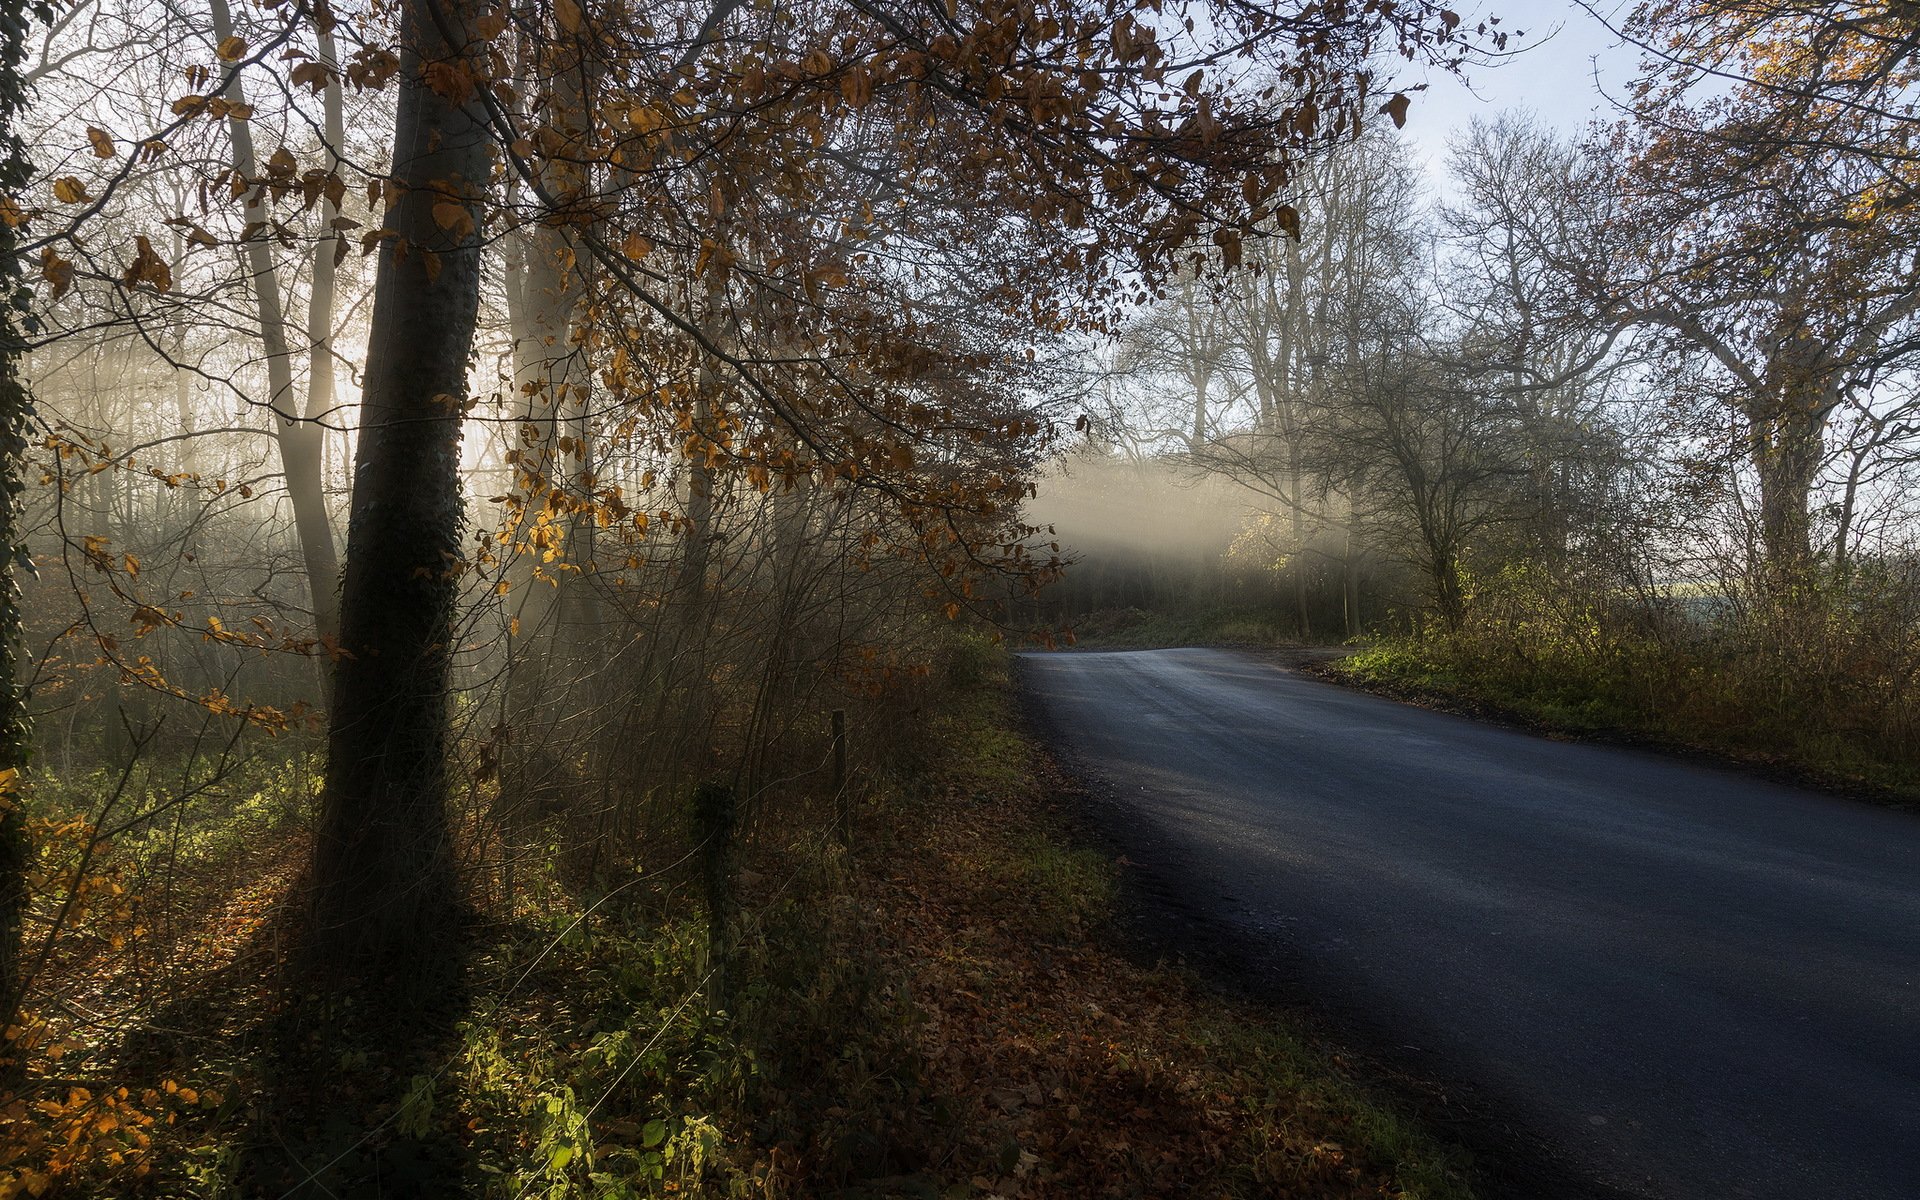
x=102 y=143
x=68 y=190
x=231 y=49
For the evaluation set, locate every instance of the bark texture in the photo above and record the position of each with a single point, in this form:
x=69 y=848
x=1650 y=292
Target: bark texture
x=382 y=869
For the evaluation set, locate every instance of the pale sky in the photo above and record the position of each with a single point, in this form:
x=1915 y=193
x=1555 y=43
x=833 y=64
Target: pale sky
x=1565 y=60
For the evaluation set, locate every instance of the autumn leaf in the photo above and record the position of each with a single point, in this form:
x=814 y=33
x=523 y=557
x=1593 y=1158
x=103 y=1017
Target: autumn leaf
x=68 y=190
x=102 y=143
x=310 y=75
x=1397 y=109
x=1229 y=242
x=856 y=87
x=57 y=271
x=231 y=49
x=451 y=80
x=568 y=15
x=148 y=267
x=453 y=216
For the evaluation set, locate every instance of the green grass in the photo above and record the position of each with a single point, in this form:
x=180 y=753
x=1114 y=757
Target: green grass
x=1681 y=706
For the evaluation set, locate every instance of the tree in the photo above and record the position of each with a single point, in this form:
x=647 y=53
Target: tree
x=1527 y=337
x=1428 y=458
x=1298 y=315
x=15 y=417
x=381 y=862
x=1764 y=234
x=299 y=432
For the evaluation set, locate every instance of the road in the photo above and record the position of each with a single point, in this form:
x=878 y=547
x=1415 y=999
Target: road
x=1691 y=982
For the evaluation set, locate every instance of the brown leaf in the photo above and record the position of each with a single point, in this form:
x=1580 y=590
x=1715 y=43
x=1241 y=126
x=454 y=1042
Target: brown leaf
x=148 y=267
x=311 y=75
x=453 y=216
x=57 y=271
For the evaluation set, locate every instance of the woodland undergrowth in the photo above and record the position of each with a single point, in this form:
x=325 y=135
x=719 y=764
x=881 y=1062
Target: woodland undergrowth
x=936 y=1009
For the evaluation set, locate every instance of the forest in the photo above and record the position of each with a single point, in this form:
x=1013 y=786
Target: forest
x=518 y=514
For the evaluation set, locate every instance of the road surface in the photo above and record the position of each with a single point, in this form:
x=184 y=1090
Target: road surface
x=1691 y=982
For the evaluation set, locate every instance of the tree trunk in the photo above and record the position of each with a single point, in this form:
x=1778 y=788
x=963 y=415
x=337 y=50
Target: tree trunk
x=1295 y=473
x=1447 y=591
x=382 y=869
x=557 y=616
x=308 y=442
x=301 y=441
x=15 y=410
x=1787 y=451
x=1350 y=589
x=697 y=552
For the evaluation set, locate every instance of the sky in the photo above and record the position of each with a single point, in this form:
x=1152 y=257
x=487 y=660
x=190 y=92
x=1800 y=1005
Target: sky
x=1565 y=67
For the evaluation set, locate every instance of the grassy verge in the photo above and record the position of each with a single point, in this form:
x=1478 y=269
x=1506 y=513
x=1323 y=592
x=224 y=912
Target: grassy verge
x=1106 y=1077
x=1691 y=711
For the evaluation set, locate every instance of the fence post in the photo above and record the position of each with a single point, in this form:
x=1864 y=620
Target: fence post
x=842 y=799
x=713 y=811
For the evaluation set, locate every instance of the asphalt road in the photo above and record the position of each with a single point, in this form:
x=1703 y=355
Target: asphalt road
x=1691 y=982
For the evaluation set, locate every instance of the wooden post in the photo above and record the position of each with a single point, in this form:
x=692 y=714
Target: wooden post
x=842 y=800
x=713 y=811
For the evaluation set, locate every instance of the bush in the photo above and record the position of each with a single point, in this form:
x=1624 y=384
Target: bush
x=1822 y=675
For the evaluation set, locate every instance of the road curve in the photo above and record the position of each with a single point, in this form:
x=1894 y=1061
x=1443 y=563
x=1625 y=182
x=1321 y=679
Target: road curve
x=1693 y=983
